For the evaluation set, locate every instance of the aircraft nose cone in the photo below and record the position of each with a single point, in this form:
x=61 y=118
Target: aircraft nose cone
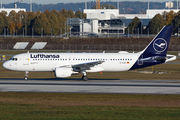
x=5 y=65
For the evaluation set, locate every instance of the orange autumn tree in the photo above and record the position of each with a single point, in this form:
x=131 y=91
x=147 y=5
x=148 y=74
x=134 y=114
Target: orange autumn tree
x=11 y=27
x=19 y=26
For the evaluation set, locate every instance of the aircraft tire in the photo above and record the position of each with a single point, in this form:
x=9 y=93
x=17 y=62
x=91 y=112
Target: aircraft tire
x=85 y=78
x=25 y=78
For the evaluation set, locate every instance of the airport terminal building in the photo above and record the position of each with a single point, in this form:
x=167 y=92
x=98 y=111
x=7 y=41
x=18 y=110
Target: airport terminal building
x=109 y=21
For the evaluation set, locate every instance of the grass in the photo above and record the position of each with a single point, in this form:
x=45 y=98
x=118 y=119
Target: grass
x=88 y=113
x=88 y=106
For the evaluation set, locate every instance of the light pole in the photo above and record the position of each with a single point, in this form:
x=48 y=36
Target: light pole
x=80 y=13
x=141 y=24
x=86 y=4
x=177 y=5
x=124 y=10
x=31 y=5
x=1 y=4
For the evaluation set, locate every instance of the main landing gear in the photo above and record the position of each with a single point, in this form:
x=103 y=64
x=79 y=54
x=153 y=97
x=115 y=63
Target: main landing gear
x=84 y=77
x=26 y=76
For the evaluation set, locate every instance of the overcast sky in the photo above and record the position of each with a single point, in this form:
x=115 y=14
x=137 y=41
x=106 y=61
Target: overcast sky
x=69 y=1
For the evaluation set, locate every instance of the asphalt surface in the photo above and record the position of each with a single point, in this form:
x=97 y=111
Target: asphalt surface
x=91 y=86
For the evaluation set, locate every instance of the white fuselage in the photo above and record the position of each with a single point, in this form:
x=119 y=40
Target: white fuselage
x=50 y=61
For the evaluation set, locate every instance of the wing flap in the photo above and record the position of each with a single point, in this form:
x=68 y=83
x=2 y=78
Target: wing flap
x=86 y=66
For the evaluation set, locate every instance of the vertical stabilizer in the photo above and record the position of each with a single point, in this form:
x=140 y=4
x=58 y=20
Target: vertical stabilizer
x=159 y=45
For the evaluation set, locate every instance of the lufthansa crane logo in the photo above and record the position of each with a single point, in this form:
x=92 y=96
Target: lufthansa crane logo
x=160 y=45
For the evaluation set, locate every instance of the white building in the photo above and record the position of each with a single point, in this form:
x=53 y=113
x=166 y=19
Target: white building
x=107 y=14
x=102 y=20
x=8 y=10
x=101 y=14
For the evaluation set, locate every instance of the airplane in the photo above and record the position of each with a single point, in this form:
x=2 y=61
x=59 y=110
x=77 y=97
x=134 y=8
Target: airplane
x=68 y=64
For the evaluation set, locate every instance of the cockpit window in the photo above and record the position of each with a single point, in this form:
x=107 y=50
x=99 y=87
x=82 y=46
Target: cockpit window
x=13 y=59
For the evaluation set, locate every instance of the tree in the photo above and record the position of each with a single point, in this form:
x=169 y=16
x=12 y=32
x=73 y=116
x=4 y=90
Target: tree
x=11 y=28
x=53 y=21
x=71 y=14
x=2 y=25
x=55 y=12
x=62 y=20
x=64 y=13
x=38 y=13
x=29 y=21
x=22 y=21
x=176 y=22
x=41 y=22
x=156 y=24
x=6 y=19
x=46 y=12
x=18 y=26
x=12 y=16
x=134 y=26
x=169 y=17
x=79 y=14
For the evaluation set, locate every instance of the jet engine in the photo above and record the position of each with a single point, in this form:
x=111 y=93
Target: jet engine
x=63 y=72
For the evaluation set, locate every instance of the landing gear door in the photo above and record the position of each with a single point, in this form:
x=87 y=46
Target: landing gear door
x=26 y=59
x=140 y=60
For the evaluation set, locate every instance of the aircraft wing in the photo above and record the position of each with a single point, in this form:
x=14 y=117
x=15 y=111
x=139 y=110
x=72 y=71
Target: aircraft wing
x=85 y=66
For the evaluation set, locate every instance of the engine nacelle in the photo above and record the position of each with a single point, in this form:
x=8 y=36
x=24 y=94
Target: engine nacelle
x=63 y=72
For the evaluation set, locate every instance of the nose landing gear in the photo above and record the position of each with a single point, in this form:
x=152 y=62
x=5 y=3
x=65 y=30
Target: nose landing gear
x=26 y=76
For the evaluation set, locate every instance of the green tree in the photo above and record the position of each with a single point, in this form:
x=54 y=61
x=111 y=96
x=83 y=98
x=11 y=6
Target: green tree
x=176 y=22
x=6 y=19
x=12 y=16
x=22 y=21
x=53 y=21
x=156 y=24
x=2 y=25
x=79 y=14
x=134 y=26
x=41 y=22
x=62 y=20
x=29 y=21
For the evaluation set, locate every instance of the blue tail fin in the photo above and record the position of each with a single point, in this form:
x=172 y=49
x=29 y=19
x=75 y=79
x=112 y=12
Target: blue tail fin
x=159 y=45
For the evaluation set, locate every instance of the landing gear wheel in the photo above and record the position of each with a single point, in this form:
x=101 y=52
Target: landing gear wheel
x=85 y=78
x=25 y=78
